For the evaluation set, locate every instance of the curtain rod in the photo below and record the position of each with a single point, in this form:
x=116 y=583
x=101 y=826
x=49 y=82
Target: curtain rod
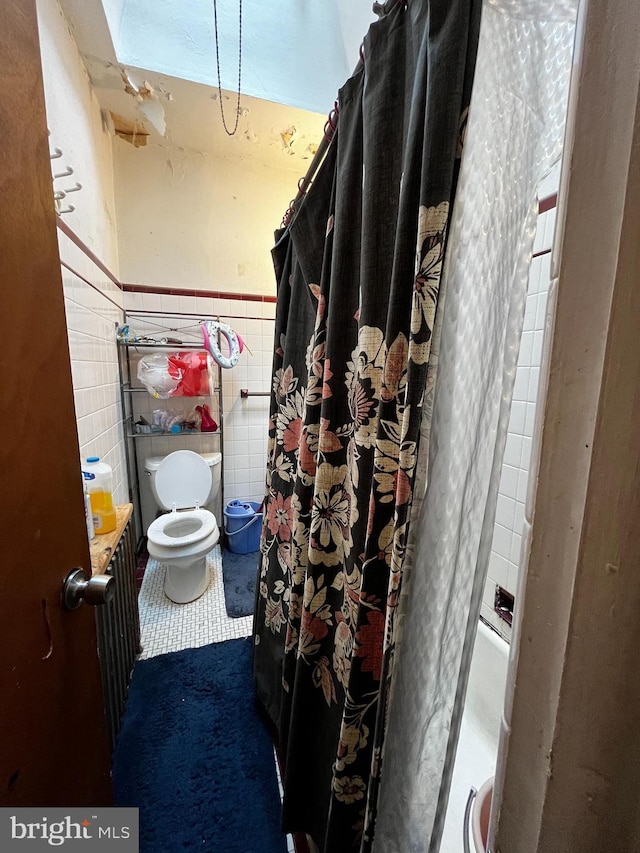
x=244 y=393
x=330 y=126
x=305 y=182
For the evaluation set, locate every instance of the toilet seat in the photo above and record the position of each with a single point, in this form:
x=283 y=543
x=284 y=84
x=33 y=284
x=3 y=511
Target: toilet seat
x=160 y=531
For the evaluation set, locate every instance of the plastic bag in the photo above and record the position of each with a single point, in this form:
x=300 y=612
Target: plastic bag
x=167 y=418
x=176 y=374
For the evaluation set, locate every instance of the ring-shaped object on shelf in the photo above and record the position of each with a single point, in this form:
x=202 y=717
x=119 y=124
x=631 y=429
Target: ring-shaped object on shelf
x=210 y=330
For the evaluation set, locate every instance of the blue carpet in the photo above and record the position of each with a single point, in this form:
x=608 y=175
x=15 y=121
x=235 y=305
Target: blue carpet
x=195 y=757
x=239 y=572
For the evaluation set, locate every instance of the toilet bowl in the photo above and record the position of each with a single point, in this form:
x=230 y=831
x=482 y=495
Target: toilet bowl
x=180 y=540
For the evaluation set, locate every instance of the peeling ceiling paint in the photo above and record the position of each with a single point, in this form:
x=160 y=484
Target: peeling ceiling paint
x=133 y=132
x=181 y=113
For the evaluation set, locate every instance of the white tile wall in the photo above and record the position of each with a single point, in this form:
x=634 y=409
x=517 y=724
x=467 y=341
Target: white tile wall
x=92 y=314
x=245 y=420
x=505 y=549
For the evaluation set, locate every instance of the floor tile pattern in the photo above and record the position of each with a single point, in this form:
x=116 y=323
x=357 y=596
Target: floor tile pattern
x=168 y=627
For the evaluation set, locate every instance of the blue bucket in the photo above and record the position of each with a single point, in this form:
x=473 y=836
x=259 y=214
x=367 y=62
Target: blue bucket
x=242 y=524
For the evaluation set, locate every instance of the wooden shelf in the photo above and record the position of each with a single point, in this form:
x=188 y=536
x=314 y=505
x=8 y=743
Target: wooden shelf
x=103 y=546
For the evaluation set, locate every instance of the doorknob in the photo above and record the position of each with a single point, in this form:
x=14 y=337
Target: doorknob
x=77 y=588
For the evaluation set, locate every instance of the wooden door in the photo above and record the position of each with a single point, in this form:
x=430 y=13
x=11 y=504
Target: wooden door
x=53 y=743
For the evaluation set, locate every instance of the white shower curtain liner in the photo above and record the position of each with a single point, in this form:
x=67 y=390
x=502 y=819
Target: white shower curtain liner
x=514 y=135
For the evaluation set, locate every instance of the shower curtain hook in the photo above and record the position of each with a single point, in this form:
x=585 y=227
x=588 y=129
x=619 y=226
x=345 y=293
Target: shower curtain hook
x=333 y=115
x=64 y=210
x=56 y=153
x=331 y=122
x=74 y=189
x=286 y=219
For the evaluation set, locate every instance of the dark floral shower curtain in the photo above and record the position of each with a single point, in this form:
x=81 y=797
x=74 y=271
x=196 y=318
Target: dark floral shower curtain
x=358 y=275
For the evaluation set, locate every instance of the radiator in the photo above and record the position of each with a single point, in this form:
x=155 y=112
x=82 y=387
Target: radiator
x=119 y=631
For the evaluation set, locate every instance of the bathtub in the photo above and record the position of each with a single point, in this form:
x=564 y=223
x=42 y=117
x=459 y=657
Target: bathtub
x=479 y=732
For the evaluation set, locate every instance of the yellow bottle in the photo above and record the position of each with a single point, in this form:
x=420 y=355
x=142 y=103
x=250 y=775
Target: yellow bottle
x=98 y=477
x=104 y=515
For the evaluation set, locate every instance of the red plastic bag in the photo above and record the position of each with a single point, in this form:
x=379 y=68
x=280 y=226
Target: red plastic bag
x=193 y=370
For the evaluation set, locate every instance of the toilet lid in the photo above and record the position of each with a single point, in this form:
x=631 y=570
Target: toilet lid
x=183 y=479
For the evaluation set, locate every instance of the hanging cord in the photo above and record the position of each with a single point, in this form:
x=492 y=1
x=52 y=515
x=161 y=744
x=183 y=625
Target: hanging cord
x=224 y=120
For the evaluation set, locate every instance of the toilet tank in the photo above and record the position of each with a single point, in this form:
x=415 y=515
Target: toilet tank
x=214 y=460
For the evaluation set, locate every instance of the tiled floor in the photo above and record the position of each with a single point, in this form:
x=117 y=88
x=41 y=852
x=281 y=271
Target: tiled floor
x=168 y=627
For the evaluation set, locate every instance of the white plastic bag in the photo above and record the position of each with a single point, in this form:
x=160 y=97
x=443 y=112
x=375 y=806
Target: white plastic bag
x=153 y=372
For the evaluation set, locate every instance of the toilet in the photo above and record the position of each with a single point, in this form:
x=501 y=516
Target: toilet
x=183 y=483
